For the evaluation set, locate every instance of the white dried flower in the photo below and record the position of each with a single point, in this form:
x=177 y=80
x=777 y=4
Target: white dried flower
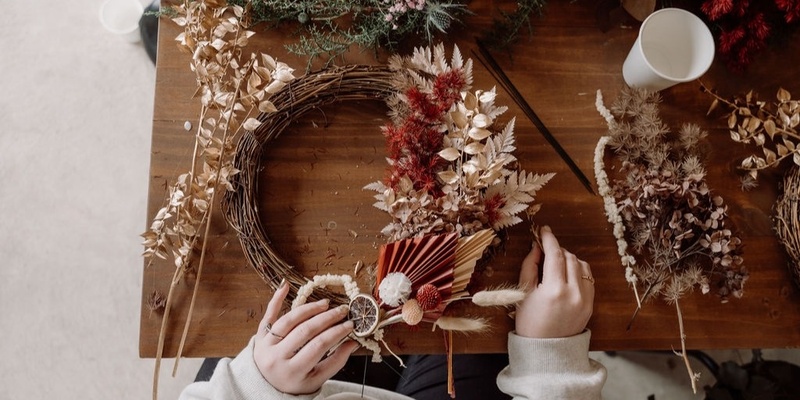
x=395 y=289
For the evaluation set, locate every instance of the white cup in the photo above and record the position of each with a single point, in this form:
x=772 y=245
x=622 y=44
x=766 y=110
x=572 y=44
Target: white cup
x=121 y=17
x=673 y=46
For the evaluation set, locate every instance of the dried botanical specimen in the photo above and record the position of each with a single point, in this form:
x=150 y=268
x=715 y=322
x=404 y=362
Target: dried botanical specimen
x=329 y=28
x=232 y=87
x=673 y=233
x=450 y=168
x=771 y=126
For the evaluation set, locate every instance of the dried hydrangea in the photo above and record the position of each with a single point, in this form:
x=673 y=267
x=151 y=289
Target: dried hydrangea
x=451 y=168
x=676 y=232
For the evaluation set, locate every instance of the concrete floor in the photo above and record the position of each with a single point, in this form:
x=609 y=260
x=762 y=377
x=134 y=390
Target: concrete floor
x=73 y=177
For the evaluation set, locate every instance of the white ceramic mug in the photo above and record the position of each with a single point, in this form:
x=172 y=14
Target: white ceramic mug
x=673 y=46
x=121 y=17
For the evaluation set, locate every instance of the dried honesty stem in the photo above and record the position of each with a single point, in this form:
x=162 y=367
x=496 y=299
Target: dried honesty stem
x=771 y=126
x=450 y=169
x=675 y=231
x=230 y=89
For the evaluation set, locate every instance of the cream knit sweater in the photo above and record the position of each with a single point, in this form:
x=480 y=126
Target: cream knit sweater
x=538 y=369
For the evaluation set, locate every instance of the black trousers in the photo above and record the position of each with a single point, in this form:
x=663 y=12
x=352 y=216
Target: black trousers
x=424 y=378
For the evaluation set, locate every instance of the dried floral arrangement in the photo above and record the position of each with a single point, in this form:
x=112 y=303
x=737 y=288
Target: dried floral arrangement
x=787 y=220
x=450 y=168
x=672 y=232
x=476 y=162
x=329 y=28
x=451 y=184
x=773 y=126
x=745 y=27
x=232 y=87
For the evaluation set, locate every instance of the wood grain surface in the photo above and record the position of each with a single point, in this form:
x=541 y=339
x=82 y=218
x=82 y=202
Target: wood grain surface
x=312 y=199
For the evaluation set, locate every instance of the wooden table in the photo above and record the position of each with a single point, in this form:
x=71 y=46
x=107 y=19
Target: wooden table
x=314 y=173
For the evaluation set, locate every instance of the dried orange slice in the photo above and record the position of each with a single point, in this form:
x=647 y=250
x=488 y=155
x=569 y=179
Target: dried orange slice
x=365 y=314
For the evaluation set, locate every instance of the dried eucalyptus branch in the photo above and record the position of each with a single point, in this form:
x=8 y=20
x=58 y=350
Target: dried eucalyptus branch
x=230 y=90
x=771 y=126
x=672 y=233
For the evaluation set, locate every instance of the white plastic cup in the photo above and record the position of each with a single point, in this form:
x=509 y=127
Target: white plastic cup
x=121 y=17
x=673 y=46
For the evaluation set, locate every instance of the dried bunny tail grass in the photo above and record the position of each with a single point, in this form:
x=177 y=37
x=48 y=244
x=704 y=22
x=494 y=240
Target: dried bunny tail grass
x=503 y=297
x=461 y=324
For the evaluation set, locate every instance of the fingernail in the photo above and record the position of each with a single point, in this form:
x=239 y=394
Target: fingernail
x=282 y=284
x=323 y=302
x=348 y=324
x=546 y=228
x=343 y=309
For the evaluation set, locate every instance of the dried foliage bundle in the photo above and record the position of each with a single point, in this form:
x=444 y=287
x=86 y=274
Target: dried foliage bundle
x=450 y=168
x=745 y=27
x=329 y=28
x=787 y=220
x=771 y=126
x=231 y=88
x=663 y=209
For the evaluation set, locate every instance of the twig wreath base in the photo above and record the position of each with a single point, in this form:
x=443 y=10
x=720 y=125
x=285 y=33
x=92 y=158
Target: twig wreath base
x=309 y=92
x=787 y=220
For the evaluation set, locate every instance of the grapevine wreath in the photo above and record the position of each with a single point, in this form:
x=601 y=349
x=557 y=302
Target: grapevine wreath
x=452 y=185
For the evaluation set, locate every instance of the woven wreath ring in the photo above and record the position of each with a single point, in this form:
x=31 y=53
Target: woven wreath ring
x=304 y=94
x=787 y=220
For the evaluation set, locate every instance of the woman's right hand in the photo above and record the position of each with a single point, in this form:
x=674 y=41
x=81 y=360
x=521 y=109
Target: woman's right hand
x=559 y=306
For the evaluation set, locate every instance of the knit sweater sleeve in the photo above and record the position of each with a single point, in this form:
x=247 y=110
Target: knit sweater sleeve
x=237 y=379
x=557 y=368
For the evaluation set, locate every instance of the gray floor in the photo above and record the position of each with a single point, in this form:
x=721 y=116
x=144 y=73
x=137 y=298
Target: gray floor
x=73 y=176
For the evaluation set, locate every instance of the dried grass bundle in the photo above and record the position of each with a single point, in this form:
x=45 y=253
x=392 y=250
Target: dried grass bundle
x=787 y=220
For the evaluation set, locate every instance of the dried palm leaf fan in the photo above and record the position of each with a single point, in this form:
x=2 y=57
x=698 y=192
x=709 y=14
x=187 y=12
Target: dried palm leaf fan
x=787 y=220
x=354 y=82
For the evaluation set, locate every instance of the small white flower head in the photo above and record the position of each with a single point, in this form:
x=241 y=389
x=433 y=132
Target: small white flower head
x=395 y=289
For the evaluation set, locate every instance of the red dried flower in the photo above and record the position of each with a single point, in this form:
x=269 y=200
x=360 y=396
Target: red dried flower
x=791 y=8
x=428 y=297
x=414 y=145
x=716 y=9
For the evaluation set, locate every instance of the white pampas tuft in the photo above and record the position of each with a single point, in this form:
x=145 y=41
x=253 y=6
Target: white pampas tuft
x=499 y=297
x=461 y=324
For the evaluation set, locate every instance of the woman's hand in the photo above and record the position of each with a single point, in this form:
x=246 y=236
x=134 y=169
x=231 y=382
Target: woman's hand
x=559 y=306
x=291 y=350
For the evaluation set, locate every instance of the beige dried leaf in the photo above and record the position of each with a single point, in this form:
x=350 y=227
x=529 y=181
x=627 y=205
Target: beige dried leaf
x=251 y=124
x=784 y=95
x=450 y=154
x=479 y=133
x=474 y=148
x=448 y=176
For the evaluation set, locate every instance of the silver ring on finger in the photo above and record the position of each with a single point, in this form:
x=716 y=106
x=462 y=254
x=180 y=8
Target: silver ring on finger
x=268 y=328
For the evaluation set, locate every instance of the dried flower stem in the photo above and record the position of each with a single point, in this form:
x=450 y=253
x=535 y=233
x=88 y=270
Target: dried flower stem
x=692 y=376
x=200 y=263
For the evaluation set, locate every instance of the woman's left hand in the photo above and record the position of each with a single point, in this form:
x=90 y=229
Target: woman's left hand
x=291 y=351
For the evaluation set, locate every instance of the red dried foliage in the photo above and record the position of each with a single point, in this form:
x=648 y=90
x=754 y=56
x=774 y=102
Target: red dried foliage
x=744 y=26
x=413 y=146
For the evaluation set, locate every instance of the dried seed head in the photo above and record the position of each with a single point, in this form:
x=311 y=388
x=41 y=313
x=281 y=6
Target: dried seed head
x=428 y=297
x=412 y=312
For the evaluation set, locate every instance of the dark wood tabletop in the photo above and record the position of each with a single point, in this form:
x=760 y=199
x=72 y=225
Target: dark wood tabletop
x=314 y=173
